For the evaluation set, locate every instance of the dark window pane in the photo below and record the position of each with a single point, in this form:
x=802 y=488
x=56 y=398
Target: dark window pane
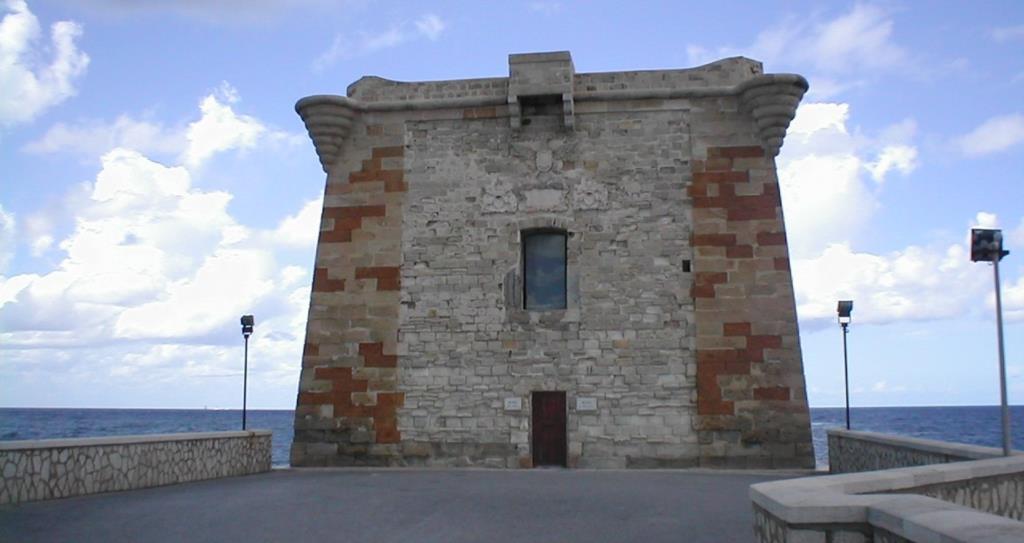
x=544 y=264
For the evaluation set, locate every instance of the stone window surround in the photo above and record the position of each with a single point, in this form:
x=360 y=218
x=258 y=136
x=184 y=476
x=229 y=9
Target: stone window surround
x=515 y=312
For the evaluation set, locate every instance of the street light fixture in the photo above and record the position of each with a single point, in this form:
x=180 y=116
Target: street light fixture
x=844 y=309
x=987 y=246
x=247 y=323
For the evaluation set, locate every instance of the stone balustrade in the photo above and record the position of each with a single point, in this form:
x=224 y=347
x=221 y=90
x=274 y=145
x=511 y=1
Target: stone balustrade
x=965 y=494
x=60 y=468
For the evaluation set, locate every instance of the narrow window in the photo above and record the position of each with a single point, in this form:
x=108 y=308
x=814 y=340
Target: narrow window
x=544 y=270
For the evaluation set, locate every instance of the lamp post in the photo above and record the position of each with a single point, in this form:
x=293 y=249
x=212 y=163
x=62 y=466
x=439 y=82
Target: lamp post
x=987 y=246
x=844 y=309
x=247 y=323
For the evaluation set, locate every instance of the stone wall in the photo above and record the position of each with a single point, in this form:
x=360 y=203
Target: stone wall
x=851 y=451
x=60 y=468
x=680 y=330
x=976 y=500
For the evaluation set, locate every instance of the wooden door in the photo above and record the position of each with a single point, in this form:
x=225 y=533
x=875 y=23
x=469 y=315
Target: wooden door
x=549 y=436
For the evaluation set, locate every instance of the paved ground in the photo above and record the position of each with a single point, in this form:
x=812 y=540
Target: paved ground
x=407 y=506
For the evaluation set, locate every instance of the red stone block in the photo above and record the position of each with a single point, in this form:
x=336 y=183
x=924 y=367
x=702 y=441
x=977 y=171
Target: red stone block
x=388 y=152
x=390 y=400
x=771 y=393
x=740 y=251
x=717 y=164
x=710 y=278
x=714 y=240
x=388 y=277
x=374 y=357
x=722 y=177
x=736 y=329
x=716 y=356
x=754 y=214
x=764 y=342
x=321 y=283
x=702 y=291
x=706 y=407
x=744 y=151
x=737 y=367
x=782 y=264
x=314 y=398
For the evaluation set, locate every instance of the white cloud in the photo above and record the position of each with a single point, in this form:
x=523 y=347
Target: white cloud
x=884 y=386
x=220 y=128
x=984 y=219
x=29 y=86
x=1008 y=33
x=1013 y=300
x=428 y=26
x=93 y=138
x=6 y=238
x=41 y=244
x=547 y=8
x=862 y=37
x=916 y=283
x=823 y=170
x=221 y=11
x=994 y=135
x=859 y=39
x=300 y=230
x=154 y=276
x=829 y=174
x=893 y=157
x=227 y=284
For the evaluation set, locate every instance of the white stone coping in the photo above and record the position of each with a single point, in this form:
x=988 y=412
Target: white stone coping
x=124 y=440
x=760 y=80
x=961 y=450
x=858 y=498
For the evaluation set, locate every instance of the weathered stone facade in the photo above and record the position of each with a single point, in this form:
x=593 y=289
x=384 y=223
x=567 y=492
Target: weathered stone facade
x=678 y=342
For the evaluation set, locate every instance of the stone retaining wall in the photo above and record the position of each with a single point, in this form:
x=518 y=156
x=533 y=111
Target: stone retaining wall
x=60 y=468
x=851 y=451
x=968 y=493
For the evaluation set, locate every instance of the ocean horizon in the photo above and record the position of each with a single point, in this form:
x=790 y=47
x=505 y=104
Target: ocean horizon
x=975 y=425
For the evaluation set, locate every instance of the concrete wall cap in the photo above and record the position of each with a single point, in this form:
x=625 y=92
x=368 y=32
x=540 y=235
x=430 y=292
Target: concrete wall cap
x=961 y=450
x=125 y=440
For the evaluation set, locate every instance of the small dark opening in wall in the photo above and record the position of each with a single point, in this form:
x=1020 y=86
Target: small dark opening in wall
x=686 y=266
x=541 y=105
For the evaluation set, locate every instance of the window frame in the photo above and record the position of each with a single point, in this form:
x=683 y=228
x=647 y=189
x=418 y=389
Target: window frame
x=524 y=237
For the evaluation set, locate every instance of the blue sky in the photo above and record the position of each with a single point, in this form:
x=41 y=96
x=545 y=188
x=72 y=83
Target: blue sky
x=155 y=182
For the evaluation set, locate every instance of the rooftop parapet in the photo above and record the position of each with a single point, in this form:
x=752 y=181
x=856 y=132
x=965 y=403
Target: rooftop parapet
x=536 y=79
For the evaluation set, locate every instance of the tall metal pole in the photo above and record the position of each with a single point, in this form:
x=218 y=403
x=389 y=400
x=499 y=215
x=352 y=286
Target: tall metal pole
x=245 y=380
x=1002 y=361
x=846 y=377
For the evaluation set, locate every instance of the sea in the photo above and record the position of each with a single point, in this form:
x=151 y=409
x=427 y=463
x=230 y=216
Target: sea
x=977 y=425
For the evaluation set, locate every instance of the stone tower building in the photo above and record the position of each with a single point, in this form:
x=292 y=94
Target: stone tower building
x=579 y=269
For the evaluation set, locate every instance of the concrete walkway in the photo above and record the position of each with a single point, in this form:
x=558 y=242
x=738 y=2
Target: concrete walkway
x=408 y=506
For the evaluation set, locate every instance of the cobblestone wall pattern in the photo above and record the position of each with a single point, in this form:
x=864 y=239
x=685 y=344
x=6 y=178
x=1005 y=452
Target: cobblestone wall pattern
x=47 y=472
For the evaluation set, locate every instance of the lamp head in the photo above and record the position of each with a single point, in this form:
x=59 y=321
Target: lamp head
x=247 y=323
x=987 y=245
x=844 y=309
